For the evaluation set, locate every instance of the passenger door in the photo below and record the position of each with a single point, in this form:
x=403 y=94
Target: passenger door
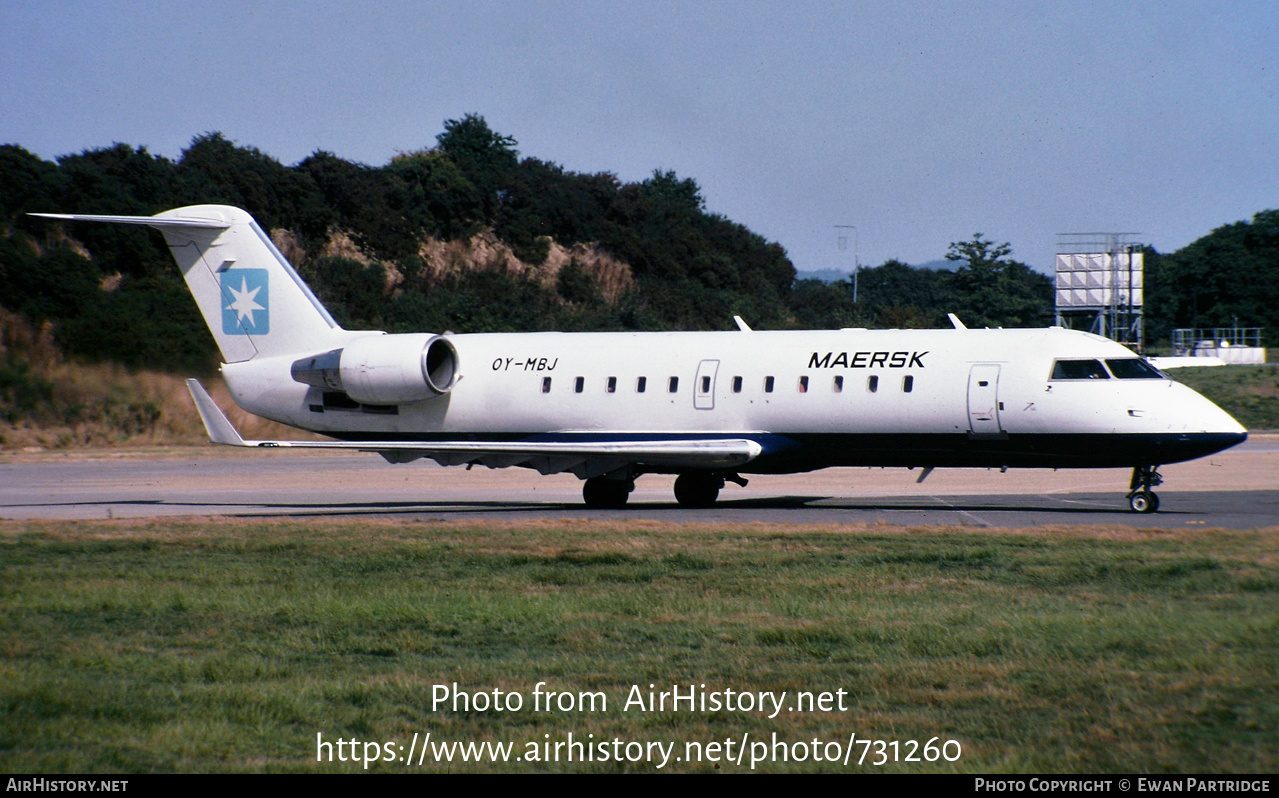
x=983 y=400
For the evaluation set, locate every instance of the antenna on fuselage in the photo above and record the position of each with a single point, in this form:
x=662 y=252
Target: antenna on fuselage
x=959 y=325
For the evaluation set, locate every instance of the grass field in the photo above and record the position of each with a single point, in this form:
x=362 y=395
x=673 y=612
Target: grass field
x=228 y=646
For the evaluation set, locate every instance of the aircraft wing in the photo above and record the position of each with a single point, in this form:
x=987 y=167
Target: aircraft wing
x=584 y=458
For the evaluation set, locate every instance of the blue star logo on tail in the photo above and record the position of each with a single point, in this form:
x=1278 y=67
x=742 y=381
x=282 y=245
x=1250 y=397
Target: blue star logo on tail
x=247 y=307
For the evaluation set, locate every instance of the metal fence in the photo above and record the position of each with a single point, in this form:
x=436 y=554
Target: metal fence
x=1187 y=341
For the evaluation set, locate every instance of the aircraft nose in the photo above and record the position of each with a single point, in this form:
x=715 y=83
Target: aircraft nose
x=1191 y=412
x=1217 y=421
x=1201 y=426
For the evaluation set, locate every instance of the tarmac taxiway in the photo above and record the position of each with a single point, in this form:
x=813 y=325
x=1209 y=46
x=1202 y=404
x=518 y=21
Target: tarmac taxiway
x=1235 y=489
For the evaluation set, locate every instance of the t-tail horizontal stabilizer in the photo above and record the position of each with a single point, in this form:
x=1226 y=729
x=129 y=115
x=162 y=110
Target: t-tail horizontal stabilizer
x=250 y=296
x=150 y=221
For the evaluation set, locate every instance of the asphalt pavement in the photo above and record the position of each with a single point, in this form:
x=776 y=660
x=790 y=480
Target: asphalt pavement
x=1236 y=489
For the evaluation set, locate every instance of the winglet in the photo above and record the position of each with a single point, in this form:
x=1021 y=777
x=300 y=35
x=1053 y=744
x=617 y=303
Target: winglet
x=215 y=421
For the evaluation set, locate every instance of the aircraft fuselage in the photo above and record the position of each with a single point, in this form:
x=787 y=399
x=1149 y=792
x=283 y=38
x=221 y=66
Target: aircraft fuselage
x=811 y=399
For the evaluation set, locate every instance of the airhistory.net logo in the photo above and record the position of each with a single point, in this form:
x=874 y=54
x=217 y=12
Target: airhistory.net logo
x=247 y=309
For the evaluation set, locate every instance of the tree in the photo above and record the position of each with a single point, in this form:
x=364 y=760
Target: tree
x=214 y=170
x=674 y=195
x=486 y=157
x=824 y=306
x=474 y=146
x=993 y=291
x=353 y=292
x=432 y=195
x=30 y=184
x=896 y=294
x=1230 y=275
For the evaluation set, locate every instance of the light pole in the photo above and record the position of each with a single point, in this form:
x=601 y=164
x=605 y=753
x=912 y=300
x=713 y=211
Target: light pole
x=843 y=245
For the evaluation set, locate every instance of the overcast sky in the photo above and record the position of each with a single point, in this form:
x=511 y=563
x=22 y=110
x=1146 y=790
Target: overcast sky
x=920 y=123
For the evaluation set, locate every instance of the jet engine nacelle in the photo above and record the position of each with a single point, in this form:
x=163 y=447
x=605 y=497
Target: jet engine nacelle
x=384 y=369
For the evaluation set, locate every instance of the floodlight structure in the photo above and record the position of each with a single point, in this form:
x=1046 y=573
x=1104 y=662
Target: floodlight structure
x=1099 y=283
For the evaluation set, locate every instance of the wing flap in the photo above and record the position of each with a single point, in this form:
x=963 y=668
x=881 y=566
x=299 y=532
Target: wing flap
x=549 y=457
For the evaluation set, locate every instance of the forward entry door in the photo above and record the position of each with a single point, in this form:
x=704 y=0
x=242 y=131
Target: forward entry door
x=983 y=400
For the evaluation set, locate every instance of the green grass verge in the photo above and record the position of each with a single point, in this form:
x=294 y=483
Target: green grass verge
x=227 y=646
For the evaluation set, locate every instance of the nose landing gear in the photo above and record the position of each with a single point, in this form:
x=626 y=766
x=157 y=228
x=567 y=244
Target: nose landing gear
x=1140 y=496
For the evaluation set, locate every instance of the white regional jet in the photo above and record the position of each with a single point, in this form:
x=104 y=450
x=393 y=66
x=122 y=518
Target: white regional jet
x=707 y=406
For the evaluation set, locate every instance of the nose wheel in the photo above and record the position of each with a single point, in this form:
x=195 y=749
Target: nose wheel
x=1141 y=497
x=1143 y=501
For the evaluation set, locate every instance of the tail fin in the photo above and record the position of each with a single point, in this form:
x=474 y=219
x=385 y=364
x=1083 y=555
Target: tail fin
x=253 y=301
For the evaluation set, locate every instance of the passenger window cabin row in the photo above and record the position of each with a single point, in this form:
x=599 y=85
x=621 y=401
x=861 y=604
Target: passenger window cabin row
x=770 y=383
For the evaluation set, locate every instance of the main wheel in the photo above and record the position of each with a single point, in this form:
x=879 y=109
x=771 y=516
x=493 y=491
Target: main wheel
x=1143 y=501
x=697 y=489
x=602 y=493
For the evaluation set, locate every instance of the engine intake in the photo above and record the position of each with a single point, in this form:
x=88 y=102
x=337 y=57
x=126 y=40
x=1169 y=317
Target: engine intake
x=384 y=369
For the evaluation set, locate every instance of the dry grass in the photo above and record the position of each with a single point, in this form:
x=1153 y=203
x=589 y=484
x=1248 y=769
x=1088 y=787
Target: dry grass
x=485 y=252
x=84 y=405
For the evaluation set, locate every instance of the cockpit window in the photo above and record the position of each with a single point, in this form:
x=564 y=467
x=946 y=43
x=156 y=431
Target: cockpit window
x=1134 y=368
x=1079 y=370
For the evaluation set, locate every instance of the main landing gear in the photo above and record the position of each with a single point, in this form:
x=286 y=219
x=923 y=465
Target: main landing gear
x=1140 y=496
x=607 y=493
x=696 y=489
x=700 y=489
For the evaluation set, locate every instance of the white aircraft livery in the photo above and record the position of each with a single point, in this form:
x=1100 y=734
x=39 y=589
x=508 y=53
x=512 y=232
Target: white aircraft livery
x=706 y=406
